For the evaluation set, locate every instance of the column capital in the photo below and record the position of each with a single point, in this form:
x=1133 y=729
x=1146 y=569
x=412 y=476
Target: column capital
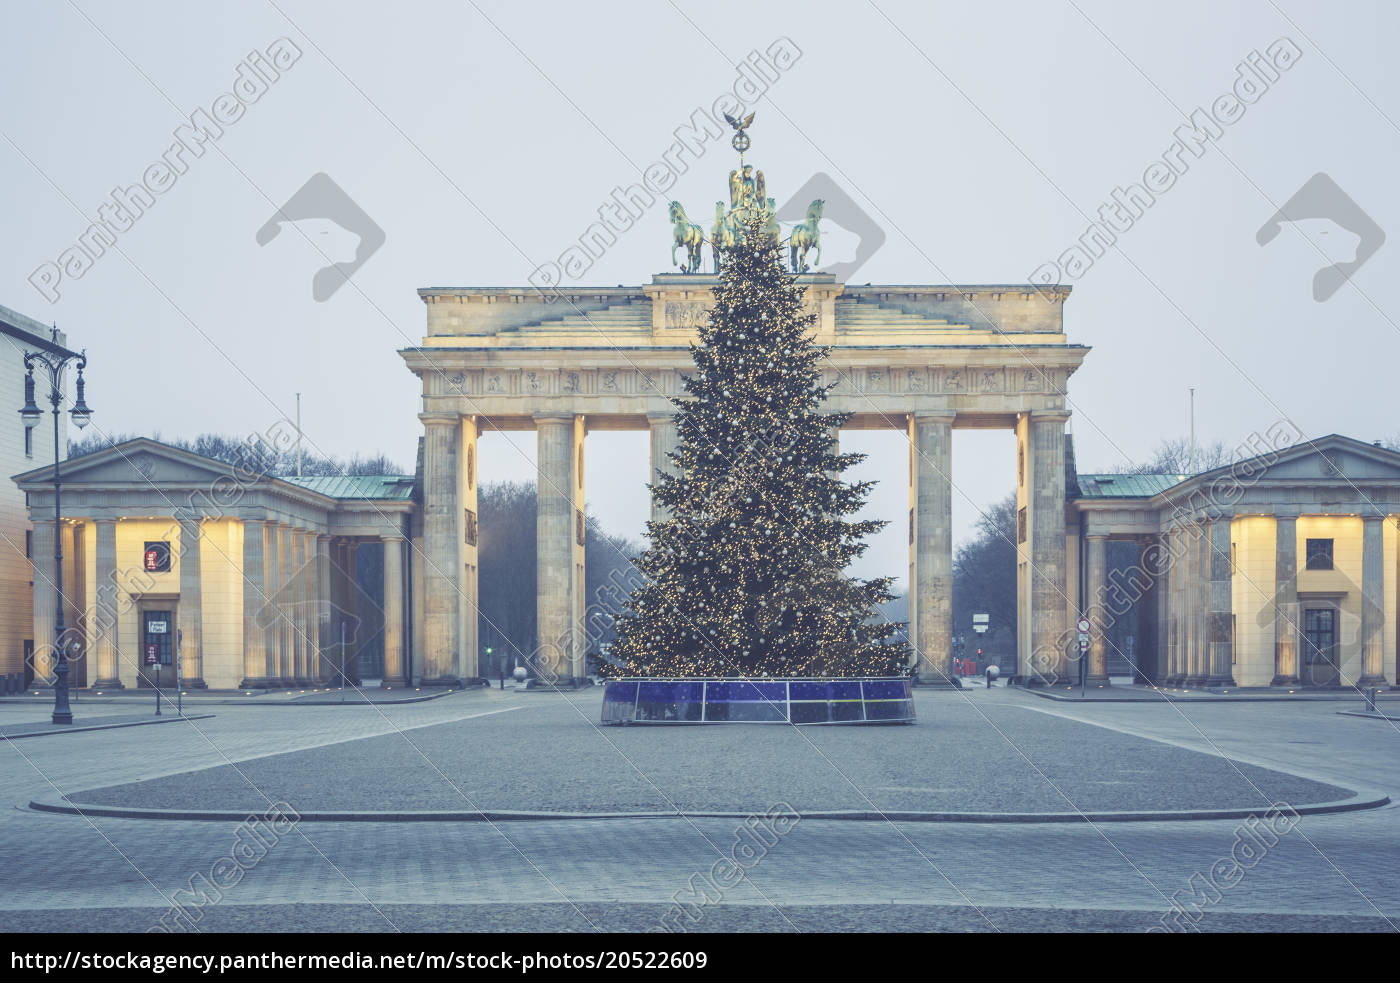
x=554 y=416
x=661 y=416
x=1049 y=416
x=391 y=538
x=1096 y=536
x=440 y=419
x=934 y=416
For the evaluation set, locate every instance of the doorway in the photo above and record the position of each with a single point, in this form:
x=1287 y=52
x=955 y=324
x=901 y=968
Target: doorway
x=156 y=652
x=1320 y=647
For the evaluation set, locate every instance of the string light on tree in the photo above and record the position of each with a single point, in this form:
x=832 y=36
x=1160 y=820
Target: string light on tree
x=747 y=576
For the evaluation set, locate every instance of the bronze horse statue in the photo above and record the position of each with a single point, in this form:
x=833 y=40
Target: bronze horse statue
x=687 y=234
x=806 y=235
x=722 y=235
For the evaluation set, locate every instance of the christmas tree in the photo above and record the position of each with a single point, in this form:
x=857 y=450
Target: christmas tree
x=747 y=577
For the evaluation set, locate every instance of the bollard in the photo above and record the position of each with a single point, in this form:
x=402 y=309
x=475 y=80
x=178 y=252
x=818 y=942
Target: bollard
x=1370 y=699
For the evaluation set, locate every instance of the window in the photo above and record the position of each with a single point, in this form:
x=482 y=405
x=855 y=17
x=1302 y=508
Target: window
x=579 y=536
x=156 y=556
x=1319 y=634
x=1021 y=525
x=28 y=442
x=471 y=527
x=29 y=543
x=1319 y=554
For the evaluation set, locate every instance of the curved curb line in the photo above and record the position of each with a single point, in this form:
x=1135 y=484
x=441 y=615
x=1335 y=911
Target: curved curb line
x=295 y=702
x=1194 y=698
x=130 y=723
x=299 y=702
x=1359 y=801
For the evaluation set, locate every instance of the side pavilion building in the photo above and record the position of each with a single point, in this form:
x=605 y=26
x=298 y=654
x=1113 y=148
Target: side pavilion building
x=1281 y=569
x=243 y=579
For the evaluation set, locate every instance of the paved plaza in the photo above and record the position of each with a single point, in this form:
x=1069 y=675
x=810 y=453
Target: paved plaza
x=544 y=752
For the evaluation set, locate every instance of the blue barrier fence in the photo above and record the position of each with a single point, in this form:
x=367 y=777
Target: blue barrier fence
x=781 y=701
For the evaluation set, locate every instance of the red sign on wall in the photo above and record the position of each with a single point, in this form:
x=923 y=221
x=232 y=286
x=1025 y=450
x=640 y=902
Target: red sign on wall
x=151 y=655
x=155 y=558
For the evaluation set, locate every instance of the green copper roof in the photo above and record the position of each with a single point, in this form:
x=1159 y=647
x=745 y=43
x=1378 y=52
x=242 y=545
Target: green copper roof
x=1127 y=485
x=394 y=487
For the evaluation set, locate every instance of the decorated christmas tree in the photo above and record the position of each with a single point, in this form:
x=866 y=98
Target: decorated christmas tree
x=747 y=577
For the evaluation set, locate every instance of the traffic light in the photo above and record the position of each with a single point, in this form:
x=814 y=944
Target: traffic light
x=979 y=653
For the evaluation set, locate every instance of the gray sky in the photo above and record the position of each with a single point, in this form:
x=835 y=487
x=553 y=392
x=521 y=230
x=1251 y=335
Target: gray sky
x=482 y=137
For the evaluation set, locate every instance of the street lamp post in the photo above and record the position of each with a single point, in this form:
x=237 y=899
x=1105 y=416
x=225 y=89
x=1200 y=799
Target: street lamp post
x=53 y=362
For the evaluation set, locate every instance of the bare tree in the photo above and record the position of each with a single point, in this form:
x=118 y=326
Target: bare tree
x=1174 y=457
x=256 y=456
x=984 y=575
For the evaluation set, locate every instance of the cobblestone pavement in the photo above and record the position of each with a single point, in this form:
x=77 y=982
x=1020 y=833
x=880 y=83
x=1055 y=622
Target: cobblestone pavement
x=71 y=873
x=959 y=759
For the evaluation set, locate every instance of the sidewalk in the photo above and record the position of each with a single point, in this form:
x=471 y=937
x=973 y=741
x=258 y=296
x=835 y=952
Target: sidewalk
x=368 y=693
x=1124 y=691
x=45 y=728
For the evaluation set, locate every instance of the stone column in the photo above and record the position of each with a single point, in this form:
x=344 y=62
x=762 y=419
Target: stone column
x=255 y=631
x=1047 y=540
x=268 y=615
x=468 y=610
x=665 y=438
x=355 y=630
x=393 y=612
x=1191 y=628
x=191 y=606
x=105 y=600
x=1221 y=615
x=1372 y=602
x=285 y=601
x=304 y=623
x=340 y=614
x=442 y=558
x=1167 y=608
x=1098 y=611
x=324 y=619
x=414 y=661
x=558 y=526
x=931 y=551
x=45 y=599
x=75 y=633
x=1149 y=666
x=1201 y=667
x=579 y=636
x=1286 y=626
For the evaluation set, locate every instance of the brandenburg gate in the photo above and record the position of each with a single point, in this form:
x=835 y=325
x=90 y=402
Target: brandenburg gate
x=920 y=359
